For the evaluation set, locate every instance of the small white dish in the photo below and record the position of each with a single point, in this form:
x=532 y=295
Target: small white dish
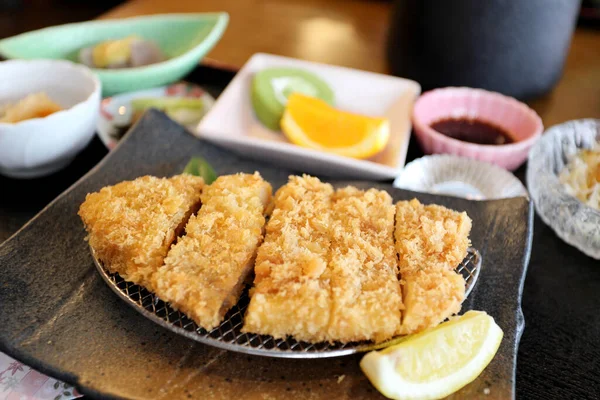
x=116 y=113
x=41 y=146
x=459 y=177
x=232 y=124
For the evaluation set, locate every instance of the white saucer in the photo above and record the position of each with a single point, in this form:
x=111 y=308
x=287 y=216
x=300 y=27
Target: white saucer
x=459 y=177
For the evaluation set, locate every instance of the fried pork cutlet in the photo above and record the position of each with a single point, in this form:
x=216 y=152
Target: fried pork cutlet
x=363 y=269
x=291 y=296
x=430 y=237
x=431 y=241
x=429 y=298
x=132 y=224
x=204 y=272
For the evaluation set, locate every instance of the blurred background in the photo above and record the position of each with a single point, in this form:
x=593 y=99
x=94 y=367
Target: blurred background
x=398 y=37
x=17 y=16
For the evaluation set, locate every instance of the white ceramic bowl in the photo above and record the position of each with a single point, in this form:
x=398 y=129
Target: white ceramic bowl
x=40 y=146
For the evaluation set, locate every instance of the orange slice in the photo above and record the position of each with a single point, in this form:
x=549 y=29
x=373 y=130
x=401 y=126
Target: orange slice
x=312 y=123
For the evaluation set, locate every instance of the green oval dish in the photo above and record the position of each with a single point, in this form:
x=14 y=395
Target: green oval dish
x=184 y=38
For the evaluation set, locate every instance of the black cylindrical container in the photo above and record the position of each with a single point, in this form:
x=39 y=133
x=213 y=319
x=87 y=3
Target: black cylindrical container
x=515 y=47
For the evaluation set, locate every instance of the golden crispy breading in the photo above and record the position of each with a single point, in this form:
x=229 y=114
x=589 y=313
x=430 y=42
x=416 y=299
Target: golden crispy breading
x=429 y=298
x=430 y=236
x=290 y=296
x=431 y=241
x=132 y=224
x=204 y=272
x=363 y=267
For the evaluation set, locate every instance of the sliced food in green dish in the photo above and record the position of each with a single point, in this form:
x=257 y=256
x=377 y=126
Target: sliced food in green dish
x=167 y=103
x=184 y=110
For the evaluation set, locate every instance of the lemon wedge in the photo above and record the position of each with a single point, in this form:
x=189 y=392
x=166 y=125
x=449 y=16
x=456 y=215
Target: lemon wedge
x=311 y=122
x=435 y=363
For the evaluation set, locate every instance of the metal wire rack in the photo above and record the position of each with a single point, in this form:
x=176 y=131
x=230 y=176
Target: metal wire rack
x=228 y=335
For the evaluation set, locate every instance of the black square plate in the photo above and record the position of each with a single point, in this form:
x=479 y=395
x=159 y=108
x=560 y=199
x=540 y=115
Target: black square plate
x=59 y=316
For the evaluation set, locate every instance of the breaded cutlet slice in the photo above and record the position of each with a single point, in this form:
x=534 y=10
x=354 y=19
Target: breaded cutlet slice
x=132 y=224
x=430 y=236
x=290 y=295
x=431 y=241
x=204 y=272
x=363 y=268
x=429 y=298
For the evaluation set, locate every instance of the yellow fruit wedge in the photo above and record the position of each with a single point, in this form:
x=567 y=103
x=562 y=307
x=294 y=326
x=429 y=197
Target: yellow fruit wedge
x=113 y=51
x=435 y=363
x=311 y=122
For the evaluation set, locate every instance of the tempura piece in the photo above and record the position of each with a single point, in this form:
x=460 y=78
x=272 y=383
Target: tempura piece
x=37 y=105
x=204 y=273
x=132 y=224
x=363 y=267
x=430 y=237
x=291 y=296
x=431 y=242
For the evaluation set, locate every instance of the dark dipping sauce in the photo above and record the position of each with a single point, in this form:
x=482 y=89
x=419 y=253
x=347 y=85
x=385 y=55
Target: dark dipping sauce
x=473 y=131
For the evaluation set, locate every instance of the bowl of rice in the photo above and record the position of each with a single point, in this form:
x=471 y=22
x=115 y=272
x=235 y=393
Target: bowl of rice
x=563 y=177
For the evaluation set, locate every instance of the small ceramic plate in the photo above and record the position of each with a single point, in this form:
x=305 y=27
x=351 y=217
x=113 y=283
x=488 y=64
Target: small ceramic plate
x=232 y=123
x=116 y=113
x=459 y=177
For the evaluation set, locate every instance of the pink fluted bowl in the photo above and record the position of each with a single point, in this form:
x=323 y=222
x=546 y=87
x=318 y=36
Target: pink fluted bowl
x=524 y=125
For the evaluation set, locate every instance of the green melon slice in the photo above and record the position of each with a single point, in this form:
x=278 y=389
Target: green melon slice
x=272 y=86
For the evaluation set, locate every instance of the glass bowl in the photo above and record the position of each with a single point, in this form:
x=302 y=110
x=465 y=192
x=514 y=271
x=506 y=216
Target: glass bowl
x=573 y=221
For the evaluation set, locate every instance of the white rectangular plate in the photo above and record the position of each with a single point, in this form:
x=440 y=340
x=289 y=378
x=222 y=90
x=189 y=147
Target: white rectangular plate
x=231 y=123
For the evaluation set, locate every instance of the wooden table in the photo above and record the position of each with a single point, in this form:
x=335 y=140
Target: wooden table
x=352 y=33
